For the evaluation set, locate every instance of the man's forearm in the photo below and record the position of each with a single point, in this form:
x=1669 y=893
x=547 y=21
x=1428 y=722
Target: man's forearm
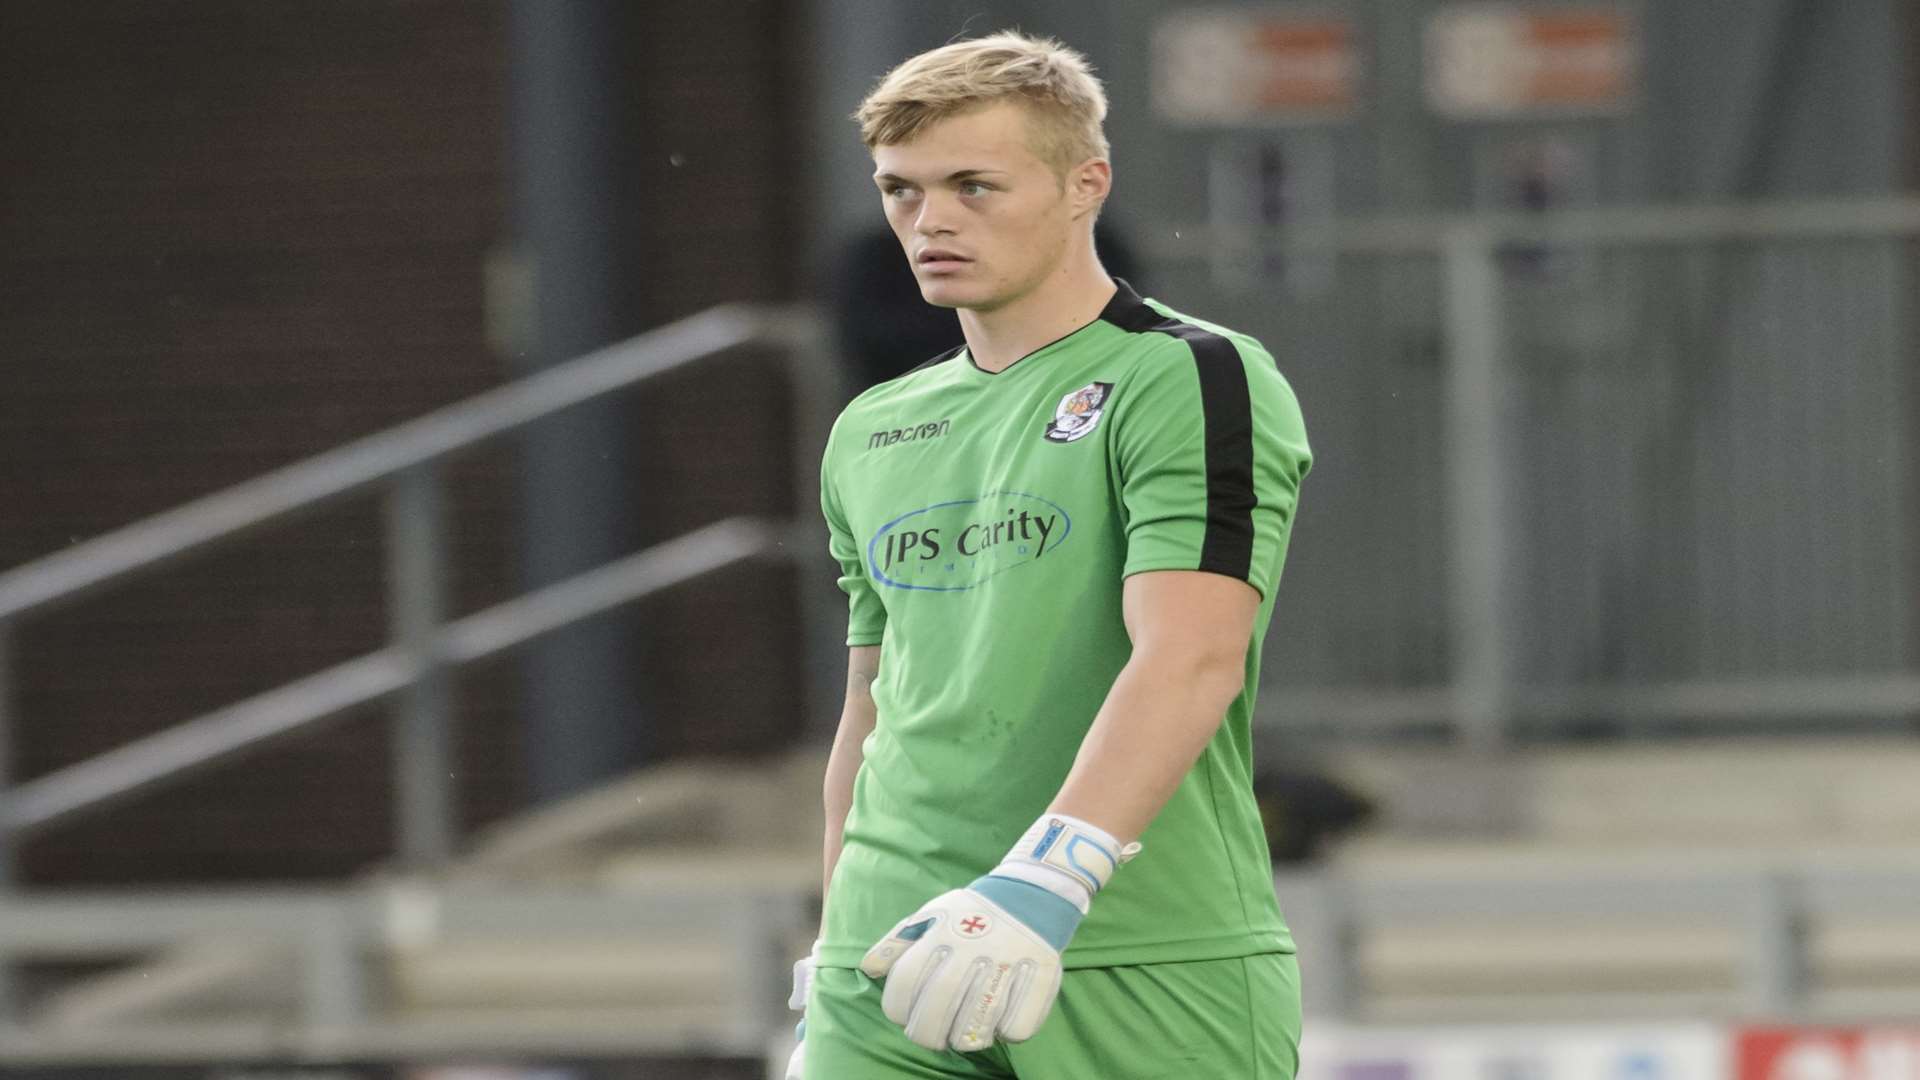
x=837 y=797
x=857 y=719
x=1157 y=718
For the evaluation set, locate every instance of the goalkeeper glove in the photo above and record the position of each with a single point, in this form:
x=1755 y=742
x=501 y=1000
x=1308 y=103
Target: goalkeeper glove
x=983 y=962
x=802 y=983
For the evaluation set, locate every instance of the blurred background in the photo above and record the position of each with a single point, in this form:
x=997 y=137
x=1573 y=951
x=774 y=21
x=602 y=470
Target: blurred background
x=418 y=649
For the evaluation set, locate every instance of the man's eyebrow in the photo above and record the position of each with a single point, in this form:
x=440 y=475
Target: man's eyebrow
x=960 y=175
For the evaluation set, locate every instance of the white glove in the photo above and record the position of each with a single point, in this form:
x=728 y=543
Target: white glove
x=983 y=962
x=797 y=1063
x=802 y=985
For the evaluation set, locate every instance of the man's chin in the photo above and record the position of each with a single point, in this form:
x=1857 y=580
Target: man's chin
x=951 y=294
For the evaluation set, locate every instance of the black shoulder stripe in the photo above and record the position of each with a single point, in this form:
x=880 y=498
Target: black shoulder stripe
x=924 y=365
x=1226 y=406
x=942 y=358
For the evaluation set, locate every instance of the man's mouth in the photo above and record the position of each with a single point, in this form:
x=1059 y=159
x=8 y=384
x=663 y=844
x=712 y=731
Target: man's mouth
x=938 y=258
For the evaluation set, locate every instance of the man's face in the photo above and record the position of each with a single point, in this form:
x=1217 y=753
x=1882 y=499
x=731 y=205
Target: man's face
x=981 y=217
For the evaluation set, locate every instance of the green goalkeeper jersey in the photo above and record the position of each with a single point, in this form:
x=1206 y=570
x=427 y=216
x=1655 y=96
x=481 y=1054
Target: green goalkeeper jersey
x=984 y=524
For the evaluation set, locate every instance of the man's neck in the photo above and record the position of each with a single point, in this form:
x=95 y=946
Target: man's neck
x=1069 y=299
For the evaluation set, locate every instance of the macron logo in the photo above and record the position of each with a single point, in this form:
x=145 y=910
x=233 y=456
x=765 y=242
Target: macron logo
x=914 y=433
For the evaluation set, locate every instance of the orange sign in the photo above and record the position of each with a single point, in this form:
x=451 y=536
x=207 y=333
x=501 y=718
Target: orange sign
x=1235 y=66
x=1495 y=60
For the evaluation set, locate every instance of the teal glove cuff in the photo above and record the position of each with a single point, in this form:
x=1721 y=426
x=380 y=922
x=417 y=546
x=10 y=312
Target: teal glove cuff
x=1053 y=918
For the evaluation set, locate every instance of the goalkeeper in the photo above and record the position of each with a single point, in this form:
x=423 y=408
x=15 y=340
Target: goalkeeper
x=1060 y=545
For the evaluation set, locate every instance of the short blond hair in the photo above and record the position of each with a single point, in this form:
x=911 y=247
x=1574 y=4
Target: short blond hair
x=1065 y=103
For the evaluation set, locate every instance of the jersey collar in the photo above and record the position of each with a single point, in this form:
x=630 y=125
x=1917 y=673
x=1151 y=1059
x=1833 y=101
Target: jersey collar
x=1124 y=309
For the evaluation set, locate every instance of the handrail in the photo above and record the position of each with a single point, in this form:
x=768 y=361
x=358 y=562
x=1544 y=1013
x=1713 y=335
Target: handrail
x=215 y=736
x=78 y=570
x=319 y=938
x=402 y=456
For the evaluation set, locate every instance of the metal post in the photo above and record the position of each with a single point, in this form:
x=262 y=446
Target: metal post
x=1476 y=470
x=1324 y=932
x=769 y=954
x=9 y=1001
x=422 y=744
x=332 y=982
x=822 y=610
x=6 y=747
x=1776 y=949
x=582 y=158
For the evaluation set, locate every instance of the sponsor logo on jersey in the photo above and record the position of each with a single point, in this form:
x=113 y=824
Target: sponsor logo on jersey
x=1078 y=412
x=933 y=429
x=958 y=545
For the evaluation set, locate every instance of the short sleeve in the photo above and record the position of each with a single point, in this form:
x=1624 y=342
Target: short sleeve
x=866 y=615
x=1211 y=449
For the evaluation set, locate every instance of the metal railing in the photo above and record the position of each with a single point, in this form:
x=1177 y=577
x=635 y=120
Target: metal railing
x=327 y=955
x=1576 y=573
x=1767 y=961
x=1777 y=923
x=405 y=459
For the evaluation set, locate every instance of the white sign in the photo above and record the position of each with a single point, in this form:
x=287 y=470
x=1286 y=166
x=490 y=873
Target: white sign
x=1624 y=1052
x=1490 y=61
x=1253 y=65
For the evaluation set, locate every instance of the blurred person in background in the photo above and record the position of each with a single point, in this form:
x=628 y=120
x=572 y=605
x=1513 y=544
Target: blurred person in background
x=1304 y=810
x=1060 y=542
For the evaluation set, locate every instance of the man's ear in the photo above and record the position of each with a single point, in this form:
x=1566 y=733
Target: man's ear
x=1088 y=185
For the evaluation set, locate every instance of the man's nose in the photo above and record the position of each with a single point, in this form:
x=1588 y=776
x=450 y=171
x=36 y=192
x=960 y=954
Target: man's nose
x=934 y=216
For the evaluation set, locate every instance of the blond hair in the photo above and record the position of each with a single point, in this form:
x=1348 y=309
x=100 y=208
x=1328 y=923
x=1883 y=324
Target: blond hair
x=1064 y=101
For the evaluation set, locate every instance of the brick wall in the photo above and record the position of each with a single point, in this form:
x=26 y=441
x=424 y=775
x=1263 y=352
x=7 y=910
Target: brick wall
x=235 y=234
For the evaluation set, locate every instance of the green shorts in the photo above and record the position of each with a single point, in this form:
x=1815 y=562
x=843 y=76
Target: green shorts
x=1235 y=1019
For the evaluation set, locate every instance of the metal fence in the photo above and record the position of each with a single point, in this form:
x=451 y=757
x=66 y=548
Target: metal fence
x=1597 y=471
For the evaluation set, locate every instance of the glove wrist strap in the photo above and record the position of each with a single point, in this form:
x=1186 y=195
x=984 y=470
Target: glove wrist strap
x=1069 y=857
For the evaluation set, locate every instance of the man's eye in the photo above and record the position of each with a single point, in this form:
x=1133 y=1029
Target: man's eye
x=897 y=190
x=974 y=187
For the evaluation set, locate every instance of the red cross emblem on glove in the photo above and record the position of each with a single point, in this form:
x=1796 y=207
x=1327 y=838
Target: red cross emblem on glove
x=973 y=926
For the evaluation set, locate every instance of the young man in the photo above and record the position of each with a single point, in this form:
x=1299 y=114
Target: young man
x=1060 y=544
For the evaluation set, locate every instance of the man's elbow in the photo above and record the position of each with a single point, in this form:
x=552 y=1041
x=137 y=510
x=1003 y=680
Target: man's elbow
x=1224 y=678
x=1210 y=674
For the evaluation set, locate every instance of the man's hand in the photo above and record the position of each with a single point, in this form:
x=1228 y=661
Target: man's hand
x=983 y=963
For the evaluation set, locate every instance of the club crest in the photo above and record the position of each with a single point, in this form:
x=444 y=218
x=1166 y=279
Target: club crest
x=1078 y=412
